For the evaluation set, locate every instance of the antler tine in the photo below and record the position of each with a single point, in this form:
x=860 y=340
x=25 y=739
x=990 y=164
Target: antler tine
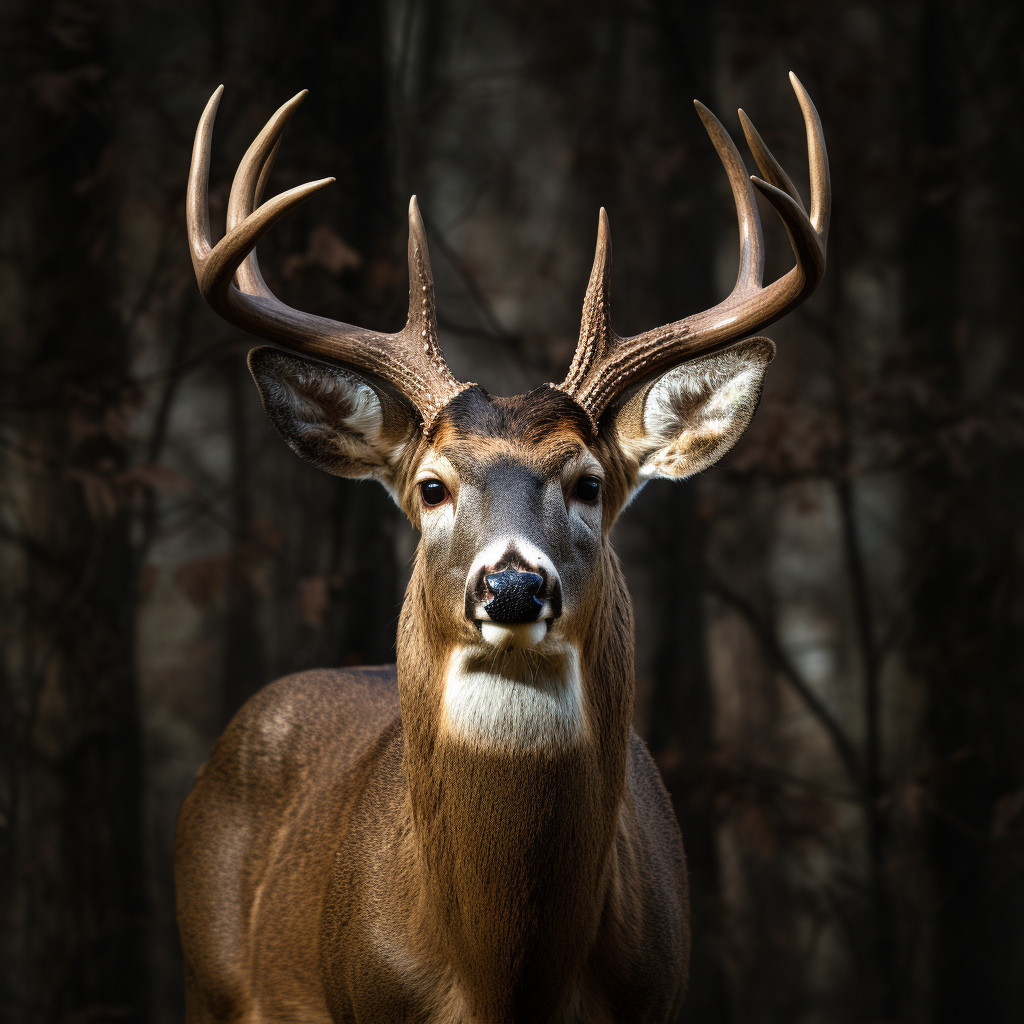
x=215 y=265
x=821 y=180
x=249 y=181
x=220 y=265
x=268 y=166
x=821 y=187
x=807 y=248
x=807 y=235
x=197 y=200
x=410 y=360
x=420 y=332
x=254 y=168
x=766 y=162
x=751 y=268
x=596 y=336
x=595 y=382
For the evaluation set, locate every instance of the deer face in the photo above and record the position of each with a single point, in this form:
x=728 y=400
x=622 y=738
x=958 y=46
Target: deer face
x=514 y=497
x=508 y=496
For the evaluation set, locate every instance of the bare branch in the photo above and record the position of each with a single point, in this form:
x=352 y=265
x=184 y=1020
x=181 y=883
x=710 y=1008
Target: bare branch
x=770 y=642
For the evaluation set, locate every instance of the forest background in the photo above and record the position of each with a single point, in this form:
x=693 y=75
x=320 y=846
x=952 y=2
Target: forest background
x=831 y=652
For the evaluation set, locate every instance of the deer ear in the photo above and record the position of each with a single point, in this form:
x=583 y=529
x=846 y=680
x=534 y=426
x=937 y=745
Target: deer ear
x=687 y=419
x=333 y=417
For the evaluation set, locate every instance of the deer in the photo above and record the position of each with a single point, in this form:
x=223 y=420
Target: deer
x=476 y=833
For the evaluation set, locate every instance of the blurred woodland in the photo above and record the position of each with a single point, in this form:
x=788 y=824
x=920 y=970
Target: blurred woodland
x=830 y=643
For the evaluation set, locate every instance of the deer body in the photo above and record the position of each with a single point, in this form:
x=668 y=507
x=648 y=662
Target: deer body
x=335 y=907
x=440 y=864
x=474 y=835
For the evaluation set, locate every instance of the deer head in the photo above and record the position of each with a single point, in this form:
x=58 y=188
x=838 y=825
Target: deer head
x=514 y=497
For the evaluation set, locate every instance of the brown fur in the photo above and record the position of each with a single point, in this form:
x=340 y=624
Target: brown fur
x=345 y=856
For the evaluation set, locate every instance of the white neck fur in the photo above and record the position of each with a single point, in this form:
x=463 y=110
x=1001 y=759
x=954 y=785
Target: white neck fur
x=515 y=699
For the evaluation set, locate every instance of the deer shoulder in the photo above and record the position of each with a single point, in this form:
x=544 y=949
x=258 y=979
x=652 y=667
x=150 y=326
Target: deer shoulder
x=247 y=866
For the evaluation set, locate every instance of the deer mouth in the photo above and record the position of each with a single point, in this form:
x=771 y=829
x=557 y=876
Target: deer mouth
x=513 y=635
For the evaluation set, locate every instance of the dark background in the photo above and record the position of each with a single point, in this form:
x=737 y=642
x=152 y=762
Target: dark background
x=829 y=622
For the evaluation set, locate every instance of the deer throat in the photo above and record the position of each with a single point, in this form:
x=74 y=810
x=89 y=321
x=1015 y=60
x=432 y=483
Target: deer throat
x=515 y=700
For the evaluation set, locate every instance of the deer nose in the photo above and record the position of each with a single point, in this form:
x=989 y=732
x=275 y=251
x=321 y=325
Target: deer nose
x=515 y=596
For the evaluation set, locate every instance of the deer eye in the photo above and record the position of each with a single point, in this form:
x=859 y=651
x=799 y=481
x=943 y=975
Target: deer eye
x=433 y=492
x=588 y=488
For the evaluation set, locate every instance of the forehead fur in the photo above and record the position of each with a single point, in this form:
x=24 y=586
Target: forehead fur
x=545 y=416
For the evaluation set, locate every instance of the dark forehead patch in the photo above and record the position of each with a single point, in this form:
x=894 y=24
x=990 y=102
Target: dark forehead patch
x=523 y=419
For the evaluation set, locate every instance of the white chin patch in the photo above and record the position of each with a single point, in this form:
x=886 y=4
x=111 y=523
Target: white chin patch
x=515 y=699
x=519 y=636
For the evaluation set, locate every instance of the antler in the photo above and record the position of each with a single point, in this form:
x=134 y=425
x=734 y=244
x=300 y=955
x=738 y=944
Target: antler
x=230 y=279
x=605 y=365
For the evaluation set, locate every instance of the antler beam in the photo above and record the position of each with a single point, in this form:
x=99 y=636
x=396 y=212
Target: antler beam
x=230 y=279
x=606 y=365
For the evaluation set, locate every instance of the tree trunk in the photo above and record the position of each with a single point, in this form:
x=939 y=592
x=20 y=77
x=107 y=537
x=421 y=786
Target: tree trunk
x=967 y=640
x=72 y=900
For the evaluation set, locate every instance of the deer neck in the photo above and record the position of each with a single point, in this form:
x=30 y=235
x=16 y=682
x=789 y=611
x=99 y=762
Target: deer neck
x=514 y=840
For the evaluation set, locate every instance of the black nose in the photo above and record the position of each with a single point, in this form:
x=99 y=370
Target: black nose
x=515 y=596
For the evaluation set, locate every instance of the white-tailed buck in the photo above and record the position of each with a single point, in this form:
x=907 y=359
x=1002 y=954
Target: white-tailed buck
x=474 y=834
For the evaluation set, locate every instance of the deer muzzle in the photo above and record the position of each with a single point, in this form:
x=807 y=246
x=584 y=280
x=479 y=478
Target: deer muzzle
x=513 y=599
